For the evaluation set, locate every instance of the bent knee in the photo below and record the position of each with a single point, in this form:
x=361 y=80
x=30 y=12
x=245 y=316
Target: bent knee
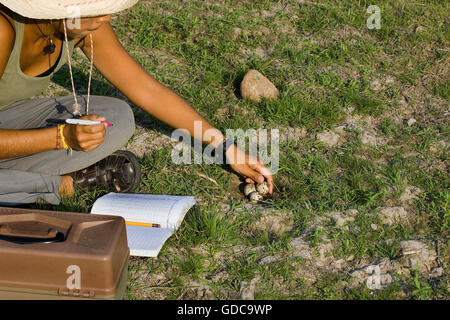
x=120 y=114
x=124 y=117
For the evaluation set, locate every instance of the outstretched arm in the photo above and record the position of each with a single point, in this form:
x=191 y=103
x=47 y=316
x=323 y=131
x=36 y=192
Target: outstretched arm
x=116 y=65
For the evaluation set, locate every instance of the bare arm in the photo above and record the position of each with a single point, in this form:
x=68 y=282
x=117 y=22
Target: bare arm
x=14 y=143
x=7 y=42
x=116 y=65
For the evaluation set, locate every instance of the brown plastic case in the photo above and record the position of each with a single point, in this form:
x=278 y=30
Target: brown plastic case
x=62 y=255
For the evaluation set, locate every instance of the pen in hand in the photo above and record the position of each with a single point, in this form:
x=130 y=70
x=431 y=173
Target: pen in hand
x=86 y=122
x=79 y=121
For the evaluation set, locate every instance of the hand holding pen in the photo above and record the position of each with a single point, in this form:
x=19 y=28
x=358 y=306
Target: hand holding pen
x=85 y=134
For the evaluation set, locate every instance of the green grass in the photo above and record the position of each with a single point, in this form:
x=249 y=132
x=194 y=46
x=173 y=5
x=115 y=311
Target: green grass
x=324 y=60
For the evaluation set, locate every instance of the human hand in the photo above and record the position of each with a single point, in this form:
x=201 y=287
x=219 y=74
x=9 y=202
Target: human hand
x=249 y=167
x=85 y=137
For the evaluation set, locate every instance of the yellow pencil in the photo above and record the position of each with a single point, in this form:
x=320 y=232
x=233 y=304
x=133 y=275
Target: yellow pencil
x=142 y=224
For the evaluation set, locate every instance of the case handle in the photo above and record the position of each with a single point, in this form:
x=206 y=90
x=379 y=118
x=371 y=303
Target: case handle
x=24 y=238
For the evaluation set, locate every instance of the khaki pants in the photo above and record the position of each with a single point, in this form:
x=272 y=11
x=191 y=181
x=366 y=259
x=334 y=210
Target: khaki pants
x=29 y=178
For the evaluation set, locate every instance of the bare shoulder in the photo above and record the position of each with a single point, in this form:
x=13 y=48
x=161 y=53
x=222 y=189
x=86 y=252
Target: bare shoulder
x=103 y=37
x=7 y=36
x=6 y=25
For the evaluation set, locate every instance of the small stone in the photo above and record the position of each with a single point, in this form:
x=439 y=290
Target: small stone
x=374 y=226
x=249 y=188
x=255 y=86
x=419 y=29
x=255 y=197
x=411 y=122
x=262 y=188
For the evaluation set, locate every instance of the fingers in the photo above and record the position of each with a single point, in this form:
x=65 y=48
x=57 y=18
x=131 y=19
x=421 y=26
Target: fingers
x=267 y=175
x=257 y=174
x=95 y=128
x=92 y=145
x=252 y=175
x=269 y=182
x=86 y=137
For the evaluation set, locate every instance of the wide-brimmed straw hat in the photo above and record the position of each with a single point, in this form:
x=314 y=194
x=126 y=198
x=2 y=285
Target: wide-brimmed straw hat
x=63 y=9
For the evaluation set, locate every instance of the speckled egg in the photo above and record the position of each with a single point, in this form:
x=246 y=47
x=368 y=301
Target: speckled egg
x=262 y=188
x=255 y=197
x=249 y=188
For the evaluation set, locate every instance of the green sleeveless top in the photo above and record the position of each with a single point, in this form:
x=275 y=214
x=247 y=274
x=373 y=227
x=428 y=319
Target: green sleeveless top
x=14 y=84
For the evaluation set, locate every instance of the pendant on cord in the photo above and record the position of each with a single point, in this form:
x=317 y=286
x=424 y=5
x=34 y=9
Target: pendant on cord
x=50 y=48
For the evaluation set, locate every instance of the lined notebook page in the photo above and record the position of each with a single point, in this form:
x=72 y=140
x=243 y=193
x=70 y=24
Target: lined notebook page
x=145 y=241
x=166 y=210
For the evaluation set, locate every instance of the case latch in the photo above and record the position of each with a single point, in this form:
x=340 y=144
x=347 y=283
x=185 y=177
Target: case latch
x=76 y=293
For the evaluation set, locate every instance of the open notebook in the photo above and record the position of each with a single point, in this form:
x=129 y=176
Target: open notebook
x=140 y=212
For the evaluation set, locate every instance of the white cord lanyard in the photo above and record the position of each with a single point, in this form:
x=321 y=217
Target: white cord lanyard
x=76 y=106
